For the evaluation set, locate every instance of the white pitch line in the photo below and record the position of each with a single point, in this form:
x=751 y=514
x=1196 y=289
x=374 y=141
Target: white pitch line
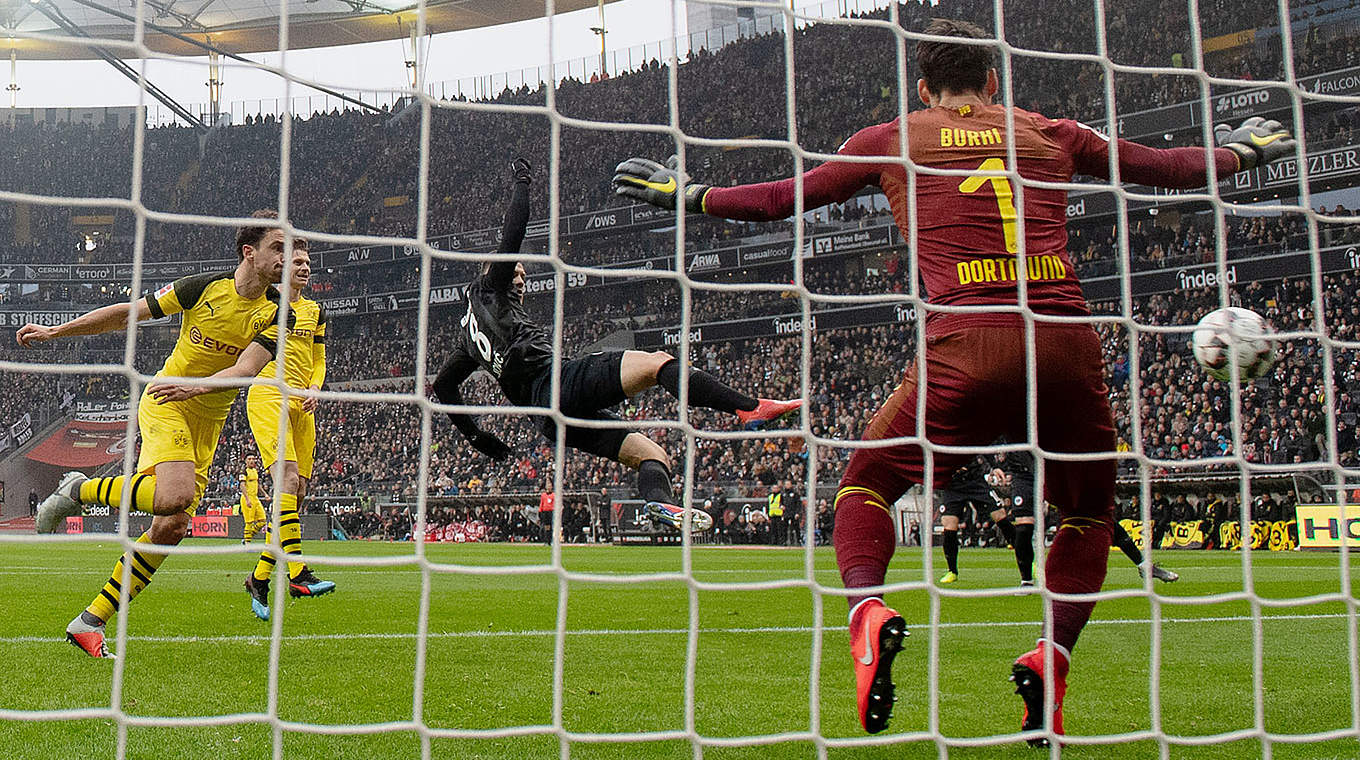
x=637 y=632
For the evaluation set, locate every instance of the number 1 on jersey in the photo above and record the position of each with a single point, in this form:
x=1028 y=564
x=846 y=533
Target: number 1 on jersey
x=1005 y=199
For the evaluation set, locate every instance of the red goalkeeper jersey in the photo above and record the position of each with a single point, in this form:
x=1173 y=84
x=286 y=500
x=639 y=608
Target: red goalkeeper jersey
x=968 y=228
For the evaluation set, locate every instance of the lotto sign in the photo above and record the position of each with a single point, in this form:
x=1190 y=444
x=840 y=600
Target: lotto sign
x=1322 y=526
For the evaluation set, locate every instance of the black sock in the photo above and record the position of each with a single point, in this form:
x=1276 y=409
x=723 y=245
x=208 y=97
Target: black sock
x=704 y=389
x=1024 y=550
x=654 y=482
x=951 y=550
x=1124 y=541
x=1007 y=529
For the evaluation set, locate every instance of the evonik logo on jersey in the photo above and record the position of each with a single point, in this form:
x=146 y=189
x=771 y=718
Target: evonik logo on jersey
x=197 y=338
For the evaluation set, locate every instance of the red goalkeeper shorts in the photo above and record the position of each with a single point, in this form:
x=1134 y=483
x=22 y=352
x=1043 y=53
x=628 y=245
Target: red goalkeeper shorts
x=975 y=392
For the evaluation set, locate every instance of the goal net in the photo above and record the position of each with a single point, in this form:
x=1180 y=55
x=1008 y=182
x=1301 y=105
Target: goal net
x=449 y=650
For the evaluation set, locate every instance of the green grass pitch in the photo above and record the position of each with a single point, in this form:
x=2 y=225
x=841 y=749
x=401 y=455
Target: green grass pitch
x=350 y=658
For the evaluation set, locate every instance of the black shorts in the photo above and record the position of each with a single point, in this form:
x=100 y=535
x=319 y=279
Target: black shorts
x=954 y=503
x=590 y=385
x=1023 y=498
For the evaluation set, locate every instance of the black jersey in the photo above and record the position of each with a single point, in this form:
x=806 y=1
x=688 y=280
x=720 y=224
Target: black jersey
x=969 y=476
x=969 y=484
x=495 y=333
x=1023 y=493
x=1020 y=465
x=498 y=334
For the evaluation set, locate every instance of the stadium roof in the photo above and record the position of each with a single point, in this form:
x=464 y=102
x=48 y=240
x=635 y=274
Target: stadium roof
x=249 y=26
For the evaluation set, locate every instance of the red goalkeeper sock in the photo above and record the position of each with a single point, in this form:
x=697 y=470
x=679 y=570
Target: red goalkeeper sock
x=1076 y=565
x=864 y=539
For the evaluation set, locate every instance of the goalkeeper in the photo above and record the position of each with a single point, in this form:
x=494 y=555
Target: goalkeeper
x=497 y=335
x=969 y=252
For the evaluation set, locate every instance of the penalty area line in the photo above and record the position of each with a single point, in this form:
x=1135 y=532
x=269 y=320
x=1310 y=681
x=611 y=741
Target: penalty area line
x=252 y=638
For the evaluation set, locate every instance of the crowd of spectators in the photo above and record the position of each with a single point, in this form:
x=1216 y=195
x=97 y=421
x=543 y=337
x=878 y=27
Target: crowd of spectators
x=396 y=522
x=390 y=524
x=1211 y=509
x=30 y=400
x=1166 y=241
x=1183 y=415
x=357 y=171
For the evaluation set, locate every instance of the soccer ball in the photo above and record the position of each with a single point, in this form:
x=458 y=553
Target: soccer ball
x=1223 y=333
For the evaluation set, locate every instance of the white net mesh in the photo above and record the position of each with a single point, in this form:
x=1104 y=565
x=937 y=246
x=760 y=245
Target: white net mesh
x=1125 y=324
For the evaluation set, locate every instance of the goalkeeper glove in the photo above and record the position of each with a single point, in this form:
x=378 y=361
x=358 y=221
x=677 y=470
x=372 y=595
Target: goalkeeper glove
x=1259 y=142
x=522 y=170
x=650 y=182
x=490 y=445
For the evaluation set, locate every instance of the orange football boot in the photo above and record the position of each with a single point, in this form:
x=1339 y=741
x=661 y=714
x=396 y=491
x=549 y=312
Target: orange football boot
x=768 y=411
x=876 y=633
x=1028 y=675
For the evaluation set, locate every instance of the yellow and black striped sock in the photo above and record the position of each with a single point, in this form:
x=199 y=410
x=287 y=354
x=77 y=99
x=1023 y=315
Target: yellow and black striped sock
x=144 y=565
x=109 y=491
x=250 y=529
x=290 y=535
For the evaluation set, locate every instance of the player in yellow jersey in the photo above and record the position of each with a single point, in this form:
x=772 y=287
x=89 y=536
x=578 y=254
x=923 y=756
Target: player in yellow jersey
x=222 y=314
x=304 y=367
x=252 y=511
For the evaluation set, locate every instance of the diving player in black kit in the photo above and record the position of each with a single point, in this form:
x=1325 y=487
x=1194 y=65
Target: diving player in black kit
x=497 y=335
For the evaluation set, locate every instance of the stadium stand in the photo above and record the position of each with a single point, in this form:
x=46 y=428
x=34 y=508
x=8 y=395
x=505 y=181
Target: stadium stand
x=1183 y=414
